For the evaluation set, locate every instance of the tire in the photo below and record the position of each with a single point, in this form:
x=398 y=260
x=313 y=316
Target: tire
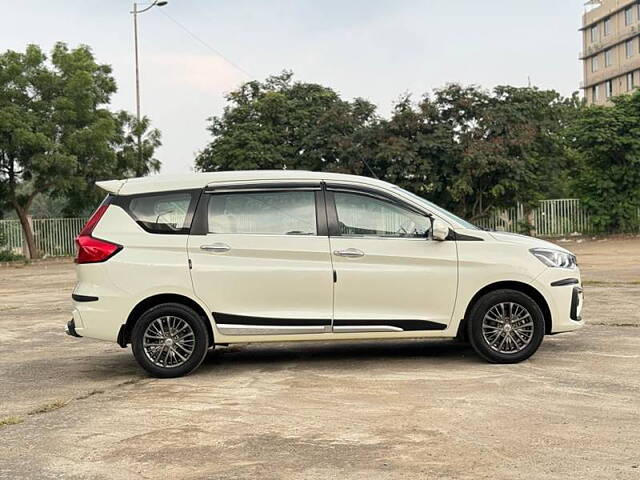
x=176 y=340
x=516 y=333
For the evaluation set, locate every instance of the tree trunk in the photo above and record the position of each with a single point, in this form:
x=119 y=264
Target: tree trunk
x=23 y=215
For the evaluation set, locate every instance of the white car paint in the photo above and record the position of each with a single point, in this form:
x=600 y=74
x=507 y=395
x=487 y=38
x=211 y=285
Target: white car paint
x=284 y=276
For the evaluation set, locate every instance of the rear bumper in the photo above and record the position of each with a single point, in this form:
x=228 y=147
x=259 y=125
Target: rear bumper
x=70 y=329
x=101 y=318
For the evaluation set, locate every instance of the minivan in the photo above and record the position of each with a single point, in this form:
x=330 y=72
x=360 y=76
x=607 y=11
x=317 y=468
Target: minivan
x=175 y=265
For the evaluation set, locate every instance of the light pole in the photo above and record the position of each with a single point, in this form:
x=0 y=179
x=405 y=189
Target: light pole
x=135 y=13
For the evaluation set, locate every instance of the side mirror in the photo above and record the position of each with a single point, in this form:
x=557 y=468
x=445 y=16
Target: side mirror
x=439 y=230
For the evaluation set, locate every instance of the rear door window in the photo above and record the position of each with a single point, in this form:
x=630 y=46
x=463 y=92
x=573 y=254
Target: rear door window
x=169 y=213
x=266 y=213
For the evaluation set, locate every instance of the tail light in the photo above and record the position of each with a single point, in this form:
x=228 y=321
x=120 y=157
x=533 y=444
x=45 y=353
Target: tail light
x=94 y=250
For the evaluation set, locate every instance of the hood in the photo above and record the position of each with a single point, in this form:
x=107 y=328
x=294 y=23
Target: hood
x=525 y=241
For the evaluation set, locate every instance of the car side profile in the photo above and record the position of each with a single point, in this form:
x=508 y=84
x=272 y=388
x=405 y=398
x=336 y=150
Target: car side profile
x=174 y=266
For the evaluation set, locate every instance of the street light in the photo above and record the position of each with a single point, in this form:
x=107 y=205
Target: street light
x=135 y=13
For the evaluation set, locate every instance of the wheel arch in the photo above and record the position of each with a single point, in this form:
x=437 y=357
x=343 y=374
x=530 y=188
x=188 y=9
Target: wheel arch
x=511 y=285
x=124 y=336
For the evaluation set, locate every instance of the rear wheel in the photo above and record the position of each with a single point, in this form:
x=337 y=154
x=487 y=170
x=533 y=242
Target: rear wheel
x=169 y=340
x=506 y=326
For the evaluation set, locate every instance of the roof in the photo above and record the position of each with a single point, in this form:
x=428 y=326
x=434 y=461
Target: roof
x=168 y=182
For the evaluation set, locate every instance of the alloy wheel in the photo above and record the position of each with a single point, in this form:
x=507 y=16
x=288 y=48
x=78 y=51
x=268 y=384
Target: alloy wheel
x=168 y=341
x=507 y=327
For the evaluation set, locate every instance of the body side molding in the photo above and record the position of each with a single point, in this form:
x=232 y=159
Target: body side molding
x=403 y=325
x=232 y=324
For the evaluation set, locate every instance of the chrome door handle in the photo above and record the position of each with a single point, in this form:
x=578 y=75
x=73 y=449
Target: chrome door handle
x=216 y=247
x=349 y=253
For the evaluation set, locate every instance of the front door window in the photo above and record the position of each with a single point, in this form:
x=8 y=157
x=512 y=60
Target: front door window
x=362 y=215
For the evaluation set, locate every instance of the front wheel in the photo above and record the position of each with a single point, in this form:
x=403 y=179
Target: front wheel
x=169 y=340
x=505 y=326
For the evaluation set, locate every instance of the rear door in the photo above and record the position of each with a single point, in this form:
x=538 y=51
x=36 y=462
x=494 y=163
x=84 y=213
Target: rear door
x=390 y=275
x=260 y=259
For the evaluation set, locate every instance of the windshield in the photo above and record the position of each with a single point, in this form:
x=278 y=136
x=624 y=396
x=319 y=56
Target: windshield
x=436 y=208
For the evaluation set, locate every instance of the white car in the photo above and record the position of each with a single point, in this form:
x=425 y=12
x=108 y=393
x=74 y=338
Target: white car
x=174 y=265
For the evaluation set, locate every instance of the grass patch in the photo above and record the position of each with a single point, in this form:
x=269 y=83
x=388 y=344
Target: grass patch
x=9 y=256
x=49 y=407
x=89 y=394
x=4 y=422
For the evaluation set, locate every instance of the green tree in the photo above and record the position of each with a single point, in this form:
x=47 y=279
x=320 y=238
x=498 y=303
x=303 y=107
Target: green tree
x=410 y=147
x=56 y=135
x=472 y=150
x=280 y=124
x=509 y=146
x=607 y=139
x=125 y=159
x=137 y=159
x=465 y=148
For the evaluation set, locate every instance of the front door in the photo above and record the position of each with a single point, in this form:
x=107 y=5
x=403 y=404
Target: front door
x=390 y=276
x=261 y=262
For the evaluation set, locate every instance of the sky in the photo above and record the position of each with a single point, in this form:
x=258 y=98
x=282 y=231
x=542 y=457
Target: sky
x=193 y=52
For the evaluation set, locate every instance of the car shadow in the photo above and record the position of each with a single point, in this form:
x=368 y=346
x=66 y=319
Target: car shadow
x=335 y=354
x=347 y=355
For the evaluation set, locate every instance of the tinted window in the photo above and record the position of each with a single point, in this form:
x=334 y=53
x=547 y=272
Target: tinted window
x=163 y=213
x=269 y=213
x=364 y=215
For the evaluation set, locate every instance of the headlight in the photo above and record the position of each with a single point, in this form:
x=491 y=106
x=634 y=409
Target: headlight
x=554 y=258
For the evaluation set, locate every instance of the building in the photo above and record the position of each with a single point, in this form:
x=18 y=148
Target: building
x=611 y=49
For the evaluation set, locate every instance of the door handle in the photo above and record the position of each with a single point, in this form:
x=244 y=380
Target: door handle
x=216 y=247
x=349 y=253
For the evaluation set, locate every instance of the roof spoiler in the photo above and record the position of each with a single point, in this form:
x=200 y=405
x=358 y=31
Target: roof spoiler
x=111 y=186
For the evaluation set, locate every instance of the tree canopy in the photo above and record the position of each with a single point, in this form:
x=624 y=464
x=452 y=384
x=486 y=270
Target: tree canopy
x=280 y=124
x=56 y=134
x=466 y=148
x=608 y=180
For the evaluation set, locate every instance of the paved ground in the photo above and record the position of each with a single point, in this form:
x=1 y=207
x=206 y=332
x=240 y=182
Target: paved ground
x=76 y=408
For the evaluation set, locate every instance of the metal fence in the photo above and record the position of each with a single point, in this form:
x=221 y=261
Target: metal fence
x=560 y=217
x=53 y=236
x=551 y=218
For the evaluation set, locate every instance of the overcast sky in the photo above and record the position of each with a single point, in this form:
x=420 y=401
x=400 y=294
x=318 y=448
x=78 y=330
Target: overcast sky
x=376 y=49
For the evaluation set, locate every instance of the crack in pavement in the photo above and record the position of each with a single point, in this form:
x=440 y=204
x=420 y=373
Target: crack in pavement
x=58 y=404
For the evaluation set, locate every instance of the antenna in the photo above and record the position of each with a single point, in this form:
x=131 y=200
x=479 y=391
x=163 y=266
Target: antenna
x=370 y=169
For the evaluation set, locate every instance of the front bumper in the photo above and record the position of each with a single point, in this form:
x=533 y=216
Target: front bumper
x=70 y=329
x=562 y=289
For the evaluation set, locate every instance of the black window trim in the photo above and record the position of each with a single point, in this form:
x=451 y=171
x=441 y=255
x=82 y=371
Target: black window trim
x=124 y=202
x=332 y=212
x=200 y=224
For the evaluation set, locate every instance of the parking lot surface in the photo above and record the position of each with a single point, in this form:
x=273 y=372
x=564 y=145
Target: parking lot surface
x=78 y=408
